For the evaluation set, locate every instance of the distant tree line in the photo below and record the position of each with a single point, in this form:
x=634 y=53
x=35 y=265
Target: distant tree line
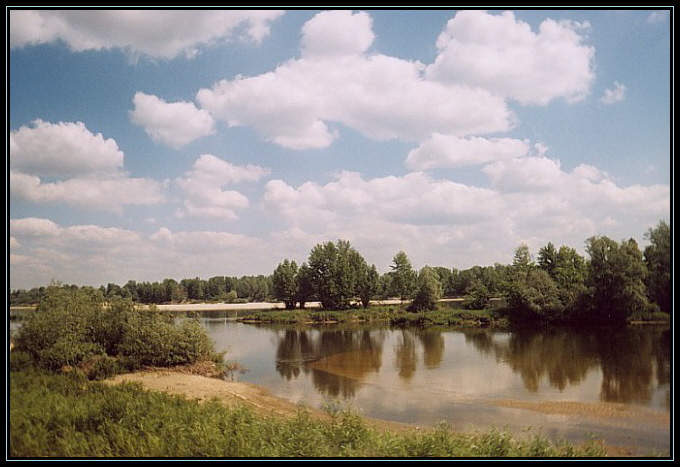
x=618 y=282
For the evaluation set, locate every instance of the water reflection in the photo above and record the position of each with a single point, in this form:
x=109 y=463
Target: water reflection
x=337 y=359
x=634 y=364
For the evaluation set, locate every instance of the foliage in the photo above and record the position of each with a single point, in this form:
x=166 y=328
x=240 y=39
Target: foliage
x=284 y=280
x=403 y=276
x=478 y=297
x=335 y=272
x=428 y=291
x=658 y=260
x=76 y=327
x=65 y=416
x=616 y=279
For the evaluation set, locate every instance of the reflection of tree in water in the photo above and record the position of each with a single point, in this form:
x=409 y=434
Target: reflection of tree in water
x=629 y=358
x=432 y=343
x=338 y=359
x=630 y=376
x=405 y=354
x=293 y=349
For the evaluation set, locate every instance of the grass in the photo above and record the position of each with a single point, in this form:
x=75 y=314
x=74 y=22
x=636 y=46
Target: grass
x=384 y=315
x=66 y=415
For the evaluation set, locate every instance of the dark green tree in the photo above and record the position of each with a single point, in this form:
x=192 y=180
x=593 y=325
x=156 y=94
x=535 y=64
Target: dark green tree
x=403 y=276
x=616 y=279
x=368 y=284
x=428 y=291
x=658 y=260
x=305 y=285
x=334 y=270
x=285 y=283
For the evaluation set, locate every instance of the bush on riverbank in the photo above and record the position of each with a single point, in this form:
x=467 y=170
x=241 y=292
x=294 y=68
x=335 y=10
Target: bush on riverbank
x=67 y=416
x=76 y=329
x=390 y=316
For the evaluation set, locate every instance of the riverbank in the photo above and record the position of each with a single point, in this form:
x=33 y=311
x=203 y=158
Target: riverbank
x=65 y=416
x=237 y=394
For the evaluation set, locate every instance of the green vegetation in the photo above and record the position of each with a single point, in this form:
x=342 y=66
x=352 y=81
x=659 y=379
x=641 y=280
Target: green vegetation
x=68 y=416
x=395 y=316
x=618 y=283
x=76 y=328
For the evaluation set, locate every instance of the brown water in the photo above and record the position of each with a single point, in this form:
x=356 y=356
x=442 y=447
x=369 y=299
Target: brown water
x=608 y=384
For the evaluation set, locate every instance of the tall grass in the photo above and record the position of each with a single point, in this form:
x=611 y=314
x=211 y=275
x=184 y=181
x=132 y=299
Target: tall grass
x=68 y=416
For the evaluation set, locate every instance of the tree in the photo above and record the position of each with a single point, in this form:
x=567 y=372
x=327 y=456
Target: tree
x=403 y=276
x=658 y=260
x=305 y=287
x=547 y=259
x=368 y=284
x=428 y=291
x=529 y=290
x=284 y=281
x=334 y=269
x=616 y=279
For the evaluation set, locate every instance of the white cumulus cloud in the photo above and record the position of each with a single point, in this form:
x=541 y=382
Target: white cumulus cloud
x=154 y=33
x=62 y=149
x=203 y=187
x=503 y=55
x=174 y=124
x=337 y=81
x=87 y=169
x=454 y=151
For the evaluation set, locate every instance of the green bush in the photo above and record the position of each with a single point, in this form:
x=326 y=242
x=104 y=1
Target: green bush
x=73 y=327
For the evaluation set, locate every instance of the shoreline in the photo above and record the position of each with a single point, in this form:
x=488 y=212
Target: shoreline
x=200 y=387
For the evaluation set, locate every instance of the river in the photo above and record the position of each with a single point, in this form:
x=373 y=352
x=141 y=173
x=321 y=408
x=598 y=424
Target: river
x=613 y=385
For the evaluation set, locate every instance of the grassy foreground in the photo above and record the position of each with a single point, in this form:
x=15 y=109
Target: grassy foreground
x=65 y=415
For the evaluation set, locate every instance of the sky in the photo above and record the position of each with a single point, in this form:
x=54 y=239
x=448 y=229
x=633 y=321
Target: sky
x=157 y=144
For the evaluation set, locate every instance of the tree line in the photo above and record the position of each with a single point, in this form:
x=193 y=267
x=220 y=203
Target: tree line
x=617 y=282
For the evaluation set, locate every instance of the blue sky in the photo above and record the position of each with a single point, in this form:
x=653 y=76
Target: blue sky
x=153 y=144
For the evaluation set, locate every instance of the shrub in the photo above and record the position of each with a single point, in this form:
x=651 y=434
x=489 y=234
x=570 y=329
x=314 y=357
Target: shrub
x=74 y=327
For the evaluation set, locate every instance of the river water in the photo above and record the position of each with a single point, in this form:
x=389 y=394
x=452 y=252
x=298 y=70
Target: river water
x=613 y=385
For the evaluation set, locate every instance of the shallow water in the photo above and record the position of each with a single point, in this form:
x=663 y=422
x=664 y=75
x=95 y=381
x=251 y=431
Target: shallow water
x=610 y=384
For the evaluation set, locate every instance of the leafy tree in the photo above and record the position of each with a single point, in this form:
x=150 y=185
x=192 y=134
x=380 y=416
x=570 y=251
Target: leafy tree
x=478 y=297
x=254 y=288
x=368 y=284
x=658 y=260
x=284 y=281
x=529 y=290
x=547 y=259
x=616 y=279
x=403 y=276
x=428 y=291
x=334 y=271
x=305 y=286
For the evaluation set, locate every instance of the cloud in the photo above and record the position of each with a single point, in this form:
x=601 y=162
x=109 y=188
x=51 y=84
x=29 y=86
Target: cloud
x=336 y=34
x=203 y=187
x=106 y=194
x=95 y=255
x=449 y=151
x=62 y=149
x=530 y=199
x=87 y=168
x=155 y=33
x=173 y=124
x=616 y=94
x=336 y=81
x=504 y=56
